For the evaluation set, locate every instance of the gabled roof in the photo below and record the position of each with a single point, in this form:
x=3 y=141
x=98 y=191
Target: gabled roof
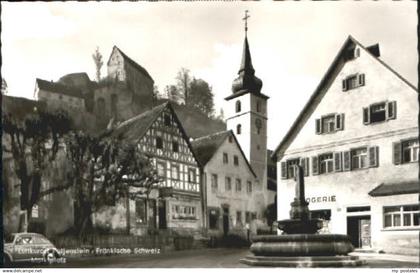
x=59 y=88
x=386 y=189
x=294 y=129
x=135 y=128
x=132 y=62
x=206 y=147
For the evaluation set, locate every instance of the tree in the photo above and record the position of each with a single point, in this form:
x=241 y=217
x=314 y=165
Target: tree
x=97 y=58
x=183 y=82
x=33 y=141
x=4 y=89
x=106 y=169
x=201 y=97
x=271 y=213
x=173 y=94
x=221 y=115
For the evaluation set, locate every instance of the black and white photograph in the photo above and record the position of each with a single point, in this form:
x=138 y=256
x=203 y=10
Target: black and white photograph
x=210 y=134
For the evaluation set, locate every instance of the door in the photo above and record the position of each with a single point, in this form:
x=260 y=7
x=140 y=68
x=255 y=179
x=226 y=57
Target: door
x=358 y=228
x=225 y=221
x=162 y=214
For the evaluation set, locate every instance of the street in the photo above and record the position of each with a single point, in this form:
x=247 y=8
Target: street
x=197 y=258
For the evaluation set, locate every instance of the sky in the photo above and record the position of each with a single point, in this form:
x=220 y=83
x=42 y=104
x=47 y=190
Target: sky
x=292 y=43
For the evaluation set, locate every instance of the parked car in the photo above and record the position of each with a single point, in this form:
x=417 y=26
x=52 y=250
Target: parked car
x=29 y=247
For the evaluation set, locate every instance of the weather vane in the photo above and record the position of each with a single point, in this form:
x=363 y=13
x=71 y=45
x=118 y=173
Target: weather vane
x=246 y=20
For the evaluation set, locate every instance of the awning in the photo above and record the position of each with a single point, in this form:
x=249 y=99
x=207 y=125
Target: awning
x=386 y=189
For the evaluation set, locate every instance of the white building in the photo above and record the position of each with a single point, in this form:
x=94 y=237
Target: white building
x=357 y=140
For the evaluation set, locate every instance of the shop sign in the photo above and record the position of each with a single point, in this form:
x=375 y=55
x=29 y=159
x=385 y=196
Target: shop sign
x=321 y=199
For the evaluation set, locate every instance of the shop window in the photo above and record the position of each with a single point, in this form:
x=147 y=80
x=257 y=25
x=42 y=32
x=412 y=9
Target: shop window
x=228 y=183
x=213 y=218
x=235 y=160
x=401 y=216
x=214 y=183
x=141 y=211
x=326 y=163
x=325 y=216
x=180 y=212
x=225 y=158
x=379 y=112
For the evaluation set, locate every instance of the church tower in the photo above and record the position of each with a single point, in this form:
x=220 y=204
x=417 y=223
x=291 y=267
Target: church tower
x=247 y=114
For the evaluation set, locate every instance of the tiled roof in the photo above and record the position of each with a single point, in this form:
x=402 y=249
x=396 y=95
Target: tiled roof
x=59 y=88
x=133 y=63
x=205 y=147
x=386 y=189
x=20 y=107
x=135 y=128
x=80 y=79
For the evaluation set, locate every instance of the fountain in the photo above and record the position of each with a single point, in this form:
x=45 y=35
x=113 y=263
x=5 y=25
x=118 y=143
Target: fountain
x=301 y=246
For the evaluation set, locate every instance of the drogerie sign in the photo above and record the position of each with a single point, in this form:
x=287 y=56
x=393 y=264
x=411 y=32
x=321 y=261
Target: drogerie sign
x=321 y=199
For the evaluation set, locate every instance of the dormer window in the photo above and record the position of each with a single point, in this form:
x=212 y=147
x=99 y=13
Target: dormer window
x=353 y=81
x=238 y=106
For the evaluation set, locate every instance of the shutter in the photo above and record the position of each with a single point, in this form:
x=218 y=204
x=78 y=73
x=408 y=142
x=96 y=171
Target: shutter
x=315 y=165
x=283 y=170
x=337 y=162
x=318 y=126
x=391 y=109
x=339 y=122
x=304 y=162
x=344 y=85
x=397 y=152
x=346 y=161
x=361 y=78
x=366 y=115
x=374 y=156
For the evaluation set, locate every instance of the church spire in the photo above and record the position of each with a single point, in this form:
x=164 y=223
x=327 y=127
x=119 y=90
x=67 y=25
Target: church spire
x=246 y=81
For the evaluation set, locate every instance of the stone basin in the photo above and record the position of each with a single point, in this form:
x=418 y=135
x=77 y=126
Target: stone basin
x=301 y=245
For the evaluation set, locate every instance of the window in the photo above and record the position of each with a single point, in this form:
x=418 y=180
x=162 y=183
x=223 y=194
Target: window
x=249 y=186
x=247 y=217
x=175 y=146
x=228 y=184
x=160 y=169
x=238 y=185
x=214 y=183
x=238 y=106
x=141 y=211
x=225 y=158
x=329 y=123
x=359 y=158
x=159 y=143
x=235 y=160
x=258 y=106
x=60 y=97
x=353 y=81
x=379 y=112
x=239 y=217
x=238 y=129
x=410 y=151
x=288 y=166
x=401 y=216
x=191 y=175
x=213 y=218
x=175 y=172
x=230 y=139
x=183 y=212
x=326 y=163
x=167 y=120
